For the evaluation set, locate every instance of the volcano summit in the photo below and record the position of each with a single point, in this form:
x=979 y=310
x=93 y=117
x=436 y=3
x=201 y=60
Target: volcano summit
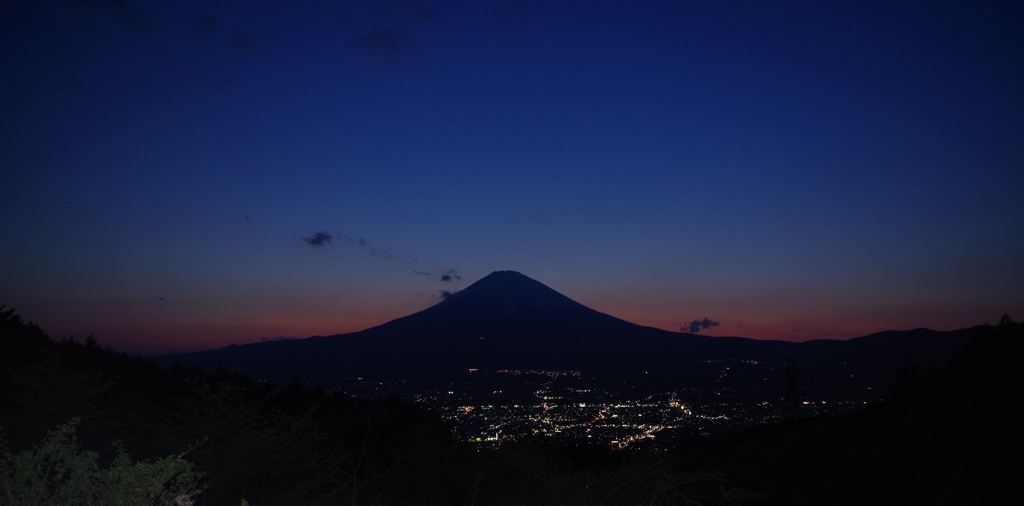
x=509 y=321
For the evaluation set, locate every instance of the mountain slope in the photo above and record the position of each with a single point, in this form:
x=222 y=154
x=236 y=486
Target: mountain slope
x=507 y=320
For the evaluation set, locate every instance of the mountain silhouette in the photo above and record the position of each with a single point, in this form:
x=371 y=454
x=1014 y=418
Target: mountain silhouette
x=510 y=303
x=507 y=320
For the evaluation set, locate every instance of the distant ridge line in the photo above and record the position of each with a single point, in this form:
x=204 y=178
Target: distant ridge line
x=507 y=320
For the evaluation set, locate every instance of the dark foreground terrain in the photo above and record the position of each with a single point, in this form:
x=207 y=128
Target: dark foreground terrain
x=218 y=438
x=947 y=437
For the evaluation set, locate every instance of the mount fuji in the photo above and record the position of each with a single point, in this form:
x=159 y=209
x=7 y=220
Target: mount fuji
x=507 y=320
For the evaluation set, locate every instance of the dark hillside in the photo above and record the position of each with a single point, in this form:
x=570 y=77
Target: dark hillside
x=938 y=439
x=288 y=445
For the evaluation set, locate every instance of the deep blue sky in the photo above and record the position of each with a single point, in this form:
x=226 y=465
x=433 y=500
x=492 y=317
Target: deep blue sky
x=792 y=170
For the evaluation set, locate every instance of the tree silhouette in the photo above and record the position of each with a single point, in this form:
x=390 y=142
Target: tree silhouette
x=57 y=472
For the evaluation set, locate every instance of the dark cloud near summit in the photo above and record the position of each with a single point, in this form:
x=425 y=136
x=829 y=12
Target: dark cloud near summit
x=318 y=239
x=388 y=42
x=698 y=325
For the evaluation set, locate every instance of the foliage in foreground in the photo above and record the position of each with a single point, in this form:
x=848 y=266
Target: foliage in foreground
x=57 y=472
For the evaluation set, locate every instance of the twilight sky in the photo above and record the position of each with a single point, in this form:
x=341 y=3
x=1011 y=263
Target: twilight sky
x=185 y=175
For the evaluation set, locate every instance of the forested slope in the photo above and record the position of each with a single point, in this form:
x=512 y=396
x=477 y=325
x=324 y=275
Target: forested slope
x=941 y=438
x=274 y=445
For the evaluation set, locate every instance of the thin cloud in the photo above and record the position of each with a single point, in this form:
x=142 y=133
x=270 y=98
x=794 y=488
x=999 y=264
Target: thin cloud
x=385 y=252
x=388 y=254
x=318 y=239
x=698 y=325
x=445 y=294
x=447 y=274
x=355 y=240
